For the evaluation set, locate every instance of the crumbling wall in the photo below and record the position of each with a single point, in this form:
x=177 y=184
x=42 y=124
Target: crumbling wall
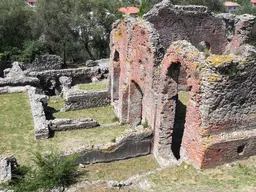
x=132 y=144
x=45 y=62
x=192 y=23
x=227 y=108
x=15 y=77
x=8 y=89
x=146 y=78
x=72 y=124
x=135 y=52
x=7 y=165
x=38 y=103
x=180 y=54
x=76 y=99
x=50 y=79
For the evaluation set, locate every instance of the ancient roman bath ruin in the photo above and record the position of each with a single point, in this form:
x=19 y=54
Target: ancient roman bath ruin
x=183 y=77
x=186 y=51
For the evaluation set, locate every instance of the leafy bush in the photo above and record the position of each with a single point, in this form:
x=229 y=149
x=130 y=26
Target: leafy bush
x=31 y=50
x=51 y=171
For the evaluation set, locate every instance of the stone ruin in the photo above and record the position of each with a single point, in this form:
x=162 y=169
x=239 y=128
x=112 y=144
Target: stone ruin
x=45 y=77
x=181 y=75
x=186 y=50
x=8 y=164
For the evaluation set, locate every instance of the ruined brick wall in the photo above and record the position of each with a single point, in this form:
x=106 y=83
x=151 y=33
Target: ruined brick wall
x=227 y=130
x=150 y=66
x=192 y=23
x=189 y=58
x=135 y=51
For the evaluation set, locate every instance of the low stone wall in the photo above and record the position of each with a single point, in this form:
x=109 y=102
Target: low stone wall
x=76 y=100
x=37 y=103
x=15 y=76
x=8 y=89
x=136 y=142
x=72 y=124
x=78 y=75
x=51 y=79
x=20 y=81
x=7 y=166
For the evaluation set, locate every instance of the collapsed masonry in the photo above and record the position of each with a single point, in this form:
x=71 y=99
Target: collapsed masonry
x=180 y=51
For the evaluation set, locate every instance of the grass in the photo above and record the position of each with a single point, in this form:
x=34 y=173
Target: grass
x=184 y=97
x=56 y=102
x=103 y=115
x=121 y=170
x=96 y=86
x=241 y=177
x=17 y=131
x=17 y=136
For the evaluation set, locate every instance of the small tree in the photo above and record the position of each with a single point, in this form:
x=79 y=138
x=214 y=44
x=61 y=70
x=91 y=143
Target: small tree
x=51 y=171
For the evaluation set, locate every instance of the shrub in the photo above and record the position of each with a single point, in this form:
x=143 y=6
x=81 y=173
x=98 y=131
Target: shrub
x=51 y=171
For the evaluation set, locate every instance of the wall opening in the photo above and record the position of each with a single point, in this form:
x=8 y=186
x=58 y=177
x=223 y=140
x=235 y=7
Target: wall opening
x=116 y=76
x=240 y=149
x=205 y=47
x=135 y=104
x=116 y=56
x=179 y=75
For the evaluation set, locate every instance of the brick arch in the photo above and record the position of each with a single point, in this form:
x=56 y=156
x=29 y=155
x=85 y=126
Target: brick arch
x=178 y=72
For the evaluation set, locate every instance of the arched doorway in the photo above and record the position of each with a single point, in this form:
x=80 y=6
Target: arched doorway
x=171 y=112
x=177 y=72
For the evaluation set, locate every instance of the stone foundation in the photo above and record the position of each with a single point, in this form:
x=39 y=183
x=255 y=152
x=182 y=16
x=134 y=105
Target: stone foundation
x=7 y=166
x=72 y=124
x=37 y=103
x=132 y=144
x=76 y=100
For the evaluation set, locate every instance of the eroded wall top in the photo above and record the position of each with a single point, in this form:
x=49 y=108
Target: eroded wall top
x=223 y=33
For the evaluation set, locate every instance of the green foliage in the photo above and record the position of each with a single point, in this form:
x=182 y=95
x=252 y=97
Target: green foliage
x=246 y=7
x=54 y=170
x=143 y=7
x=77 y=30
x=14 y=24
x=31 y=50
x=51 y=171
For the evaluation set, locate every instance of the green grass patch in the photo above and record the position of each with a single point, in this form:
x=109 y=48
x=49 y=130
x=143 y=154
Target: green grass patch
x=184 y=97
x=95 y=86
x=103 y=115
x=187 y=178
x=17 y=131
x=120 y=170
x=56 y=102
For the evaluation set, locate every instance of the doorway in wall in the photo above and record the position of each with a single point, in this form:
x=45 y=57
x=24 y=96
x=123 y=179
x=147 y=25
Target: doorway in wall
x=179 y=75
